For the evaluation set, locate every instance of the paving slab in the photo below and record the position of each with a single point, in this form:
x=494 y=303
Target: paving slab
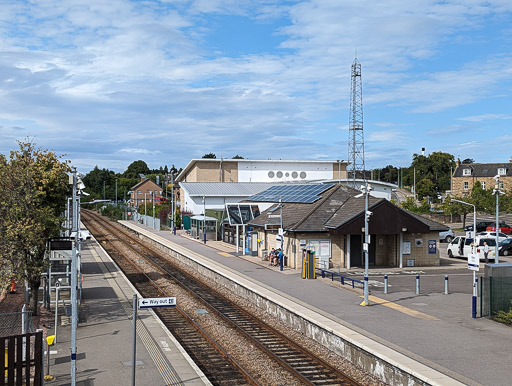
x=472 y=351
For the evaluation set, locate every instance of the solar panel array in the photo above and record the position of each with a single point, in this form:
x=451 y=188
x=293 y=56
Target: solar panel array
x=292 y=193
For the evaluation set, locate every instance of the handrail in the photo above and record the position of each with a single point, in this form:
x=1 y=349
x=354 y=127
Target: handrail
x=342 y=278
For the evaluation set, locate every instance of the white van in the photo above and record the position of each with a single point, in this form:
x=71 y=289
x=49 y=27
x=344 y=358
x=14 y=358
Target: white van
x=462 y=246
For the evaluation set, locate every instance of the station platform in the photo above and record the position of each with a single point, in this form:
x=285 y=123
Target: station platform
x=432 y=334
x=105 y=335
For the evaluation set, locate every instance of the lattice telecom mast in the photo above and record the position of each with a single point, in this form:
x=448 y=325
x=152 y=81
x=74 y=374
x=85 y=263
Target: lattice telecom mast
x=356 y=137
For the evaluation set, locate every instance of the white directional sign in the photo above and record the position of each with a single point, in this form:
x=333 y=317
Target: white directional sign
x=157 y=302
x=473 y=262
x=274 y=216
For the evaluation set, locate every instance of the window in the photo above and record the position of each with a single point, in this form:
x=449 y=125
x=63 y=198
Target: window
x=466 y=172
x=483 y=184
x=466 y=185
x=502 y=171
x=139 y=192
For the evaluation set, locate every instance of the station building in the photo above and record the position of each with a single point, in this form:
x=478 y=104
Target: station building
x=330 y=221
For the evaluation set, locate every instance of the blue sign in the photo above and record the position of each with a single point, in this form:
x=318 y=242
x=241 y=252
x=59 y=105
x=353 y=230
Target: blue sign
x=432 y=248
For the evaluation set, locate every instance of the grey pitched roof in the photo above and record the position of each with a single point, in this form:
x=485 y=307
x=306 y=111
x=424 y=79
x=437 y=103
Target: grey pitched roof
x=483 y=170
x=224 y=189
x=338 y=206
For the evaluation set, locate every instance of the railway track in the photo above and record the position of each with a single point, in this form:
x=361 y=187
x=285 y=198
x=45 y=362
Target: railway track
x=303 y=365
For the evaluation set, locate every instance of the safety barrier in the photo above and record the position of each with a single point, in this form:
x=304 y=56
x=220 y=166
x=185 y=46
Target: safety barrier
x=342 y=278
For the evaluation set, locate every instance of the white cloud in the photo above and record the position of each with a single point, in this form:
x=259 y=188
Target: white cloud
x=484 y=117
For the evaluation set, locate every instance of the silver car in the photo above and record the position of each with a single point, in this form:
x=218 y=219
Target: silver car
x=446 y=236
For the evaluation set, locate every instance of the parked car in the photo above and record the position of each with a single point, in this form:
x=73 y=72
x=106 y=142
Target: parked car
x=462 y=246
x=481 y=226
x=446 y=236
x=501 y=236
x=505 y=247
x=502 y=228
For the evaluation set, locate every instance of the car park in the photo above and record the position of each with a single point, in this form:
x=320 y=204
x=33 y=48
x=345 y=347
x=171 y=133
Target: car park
x=462 y=246
x=504 y=228
x=505 y=247
x=446 y=236
x=492 y=235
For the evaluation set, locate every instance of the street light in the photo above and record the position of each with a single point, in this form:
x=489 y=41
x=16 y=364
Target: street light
x=204 y=219
x=497 y=192
x=366 y=188
x=116 y=192
x=281 y=262
x=473 y=303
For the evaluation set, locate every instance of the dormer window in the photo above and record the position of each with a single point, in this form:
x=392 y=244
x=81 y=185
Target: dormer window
x=502 y=171
x=466 y=172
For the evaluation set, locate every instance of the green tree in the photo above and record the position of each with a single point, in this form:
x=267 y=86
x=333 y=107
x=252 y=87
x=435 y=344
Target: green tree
x=238 y=157
x=425 y=188
x=452 y=207
x=209 y=155
x=483 y=199
x=33 y=190
x=436 y=167
x=135 y=169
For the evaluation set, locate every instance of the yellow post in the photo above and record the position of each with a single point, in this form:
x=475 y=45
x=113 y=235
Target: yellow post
x=49 y=342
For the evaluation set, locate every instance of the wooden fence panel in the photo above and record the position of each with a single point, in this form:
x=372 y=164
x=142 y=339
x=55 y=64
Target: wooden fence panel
x=22 y=369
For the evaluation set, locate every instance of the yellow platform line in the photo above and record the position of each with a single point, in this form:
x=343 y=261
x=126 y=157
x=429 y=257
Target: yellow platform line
x=225 y=254
x=398 y=307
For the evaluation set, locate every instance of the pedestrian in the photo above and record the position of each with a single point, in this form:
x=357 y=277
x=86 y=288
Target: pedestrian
x=486 y=252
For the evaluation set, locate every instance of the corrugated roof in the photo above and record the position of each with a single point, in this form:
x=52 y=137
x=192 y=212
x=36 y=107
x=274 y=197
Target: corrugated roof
x=225 y=189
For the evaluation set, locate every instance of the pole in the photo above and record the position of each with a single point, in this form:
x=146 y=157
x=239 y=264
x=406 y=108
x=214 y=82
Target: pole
x=103 y=189
x=385 y=284
x=204 y=219
x=497 y=190
x=134 y=345
x=417 y=284
x=153 y=200
x=366 y=244
x=172 y=200
x=446 y=284
x=415 y=183
x=116 y=192
x=145 y=210
x=281 y=262
x=74 y=306
x=56 y=309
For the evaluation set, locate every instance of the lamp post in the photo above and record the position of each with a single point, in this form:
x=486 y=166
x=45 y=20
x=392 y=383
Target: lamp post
x=366 y=188
x=116 y=192
x=281 y=262
x=103 y=189
x=145 y=210
x=153 y=200
x=204 y=219
x=497 y=192
x=473 y=302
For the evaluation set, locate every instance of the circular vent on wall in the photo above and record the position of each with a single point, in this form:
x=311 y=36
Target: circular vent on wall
x=279 y=174
x=287 y=174
x=302 y=175
x=295 y=174
x=271 y=174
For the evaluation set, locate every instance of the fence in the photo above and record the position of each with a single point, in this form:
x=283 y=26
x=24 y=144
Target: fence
x=23 y=359
x=12 y=323
x=495 y=295
x=147 y=220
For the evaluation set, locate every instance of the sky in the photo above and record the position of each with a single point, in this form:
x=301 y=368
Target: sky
x=106 y=83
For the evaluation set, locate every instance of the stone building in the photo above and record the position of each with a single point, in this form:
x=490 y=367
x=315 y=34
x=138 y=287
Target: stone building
x=465 y=176
x=333 y=225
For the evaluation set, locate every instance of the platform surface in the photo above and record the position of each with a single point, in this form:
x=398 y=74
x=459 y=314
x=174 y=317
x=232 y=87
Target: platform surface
x=432 y=328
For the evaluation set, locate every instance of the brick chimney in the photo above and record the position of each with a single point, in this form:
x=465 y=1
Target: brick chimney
x=510 y=161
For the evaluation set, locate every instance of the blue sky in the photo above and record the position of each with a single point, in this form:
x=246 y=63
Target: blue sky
x=111 y=82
